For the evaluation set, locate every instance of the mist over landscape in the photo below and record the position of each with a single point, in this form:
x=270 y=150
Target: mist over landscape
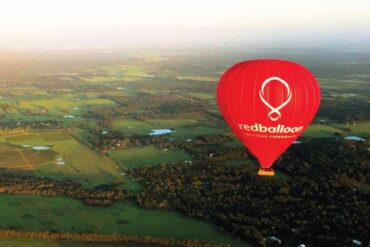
x=67 y=24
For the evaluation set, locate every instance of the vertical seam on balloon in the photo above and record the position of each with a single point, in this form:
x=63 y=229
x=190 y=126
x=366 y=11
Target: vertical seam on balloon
x=260 y=63
x=255 y=67
x=303 y=82
x=315 y=89
x=276 y=144
x=273 y=141
x=307 y=86
x=245 y=78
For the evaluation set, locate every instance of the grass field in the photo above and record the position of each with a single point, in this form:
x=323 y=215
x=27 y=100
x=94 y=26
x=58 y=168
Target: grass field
x=321 y=131
x=327 y=130
x=64 y=214
x=146 y=155
x=132 y=126
x=81 y=163
x=361 y=129
x=62 y=103
x=130 y=184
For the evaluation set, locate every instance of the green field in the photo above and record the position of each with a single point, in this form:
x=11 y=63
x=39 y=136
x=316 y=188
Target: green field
x=132 y=126
x=64 y=214
x=321 y=131
x=62 y=103
x=81 y=163
x=130 y=184
x=362 y=129
x=146 y=155
x=327 y=130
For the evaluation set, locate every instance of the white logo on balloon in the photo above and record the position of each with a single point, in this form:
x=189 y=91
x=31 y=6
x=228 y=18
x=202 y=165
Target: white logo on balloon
x=275 y=114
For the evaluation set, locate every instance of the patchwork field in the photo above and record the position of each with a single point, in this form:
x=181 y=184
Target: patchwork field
x=80 y=162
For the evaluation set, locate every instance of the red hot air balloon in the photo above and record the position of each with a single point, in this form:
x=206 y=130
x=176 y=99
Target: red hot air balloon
x=268 y=103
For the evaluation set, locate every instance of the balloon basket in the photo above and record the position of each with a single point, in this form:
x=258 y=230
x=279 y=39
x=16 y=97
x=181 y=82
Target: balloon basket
x=266 y=172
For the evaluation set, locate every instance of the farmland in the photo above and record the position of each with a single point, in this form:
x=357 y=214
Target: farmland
x=143 y=156
x=90 y=121
x=80 y=162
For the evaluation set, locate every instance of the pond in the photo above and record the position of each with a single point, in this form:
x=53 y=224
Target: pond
x=156 y=132
x=41 y=148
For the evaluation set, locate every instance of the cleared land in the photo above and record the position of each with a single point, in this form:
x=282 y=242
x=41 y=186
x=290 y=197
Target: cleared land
x=61 y=103
x=320 y=131
x=327 y=130
x=147 y=155
x=81 y=163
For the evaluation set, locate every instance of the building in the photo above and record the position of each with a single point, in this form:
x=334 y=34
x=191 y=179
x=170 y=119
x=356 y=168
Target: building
x=60 y=161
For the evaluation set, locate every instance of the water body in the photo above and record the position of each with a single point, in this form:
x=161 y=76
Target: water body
x=354 y=138
x=156 y=132
x=41 y=148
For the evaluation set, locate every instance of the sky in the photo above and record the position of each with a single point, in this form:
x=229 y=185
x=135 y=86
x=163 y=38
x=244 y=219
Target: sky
x=118 y=24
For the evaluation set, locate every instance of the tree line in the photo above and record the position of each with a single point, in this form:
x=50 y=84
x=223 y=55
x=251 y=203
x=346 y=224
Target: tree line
x=93 y=237
x=103 y=195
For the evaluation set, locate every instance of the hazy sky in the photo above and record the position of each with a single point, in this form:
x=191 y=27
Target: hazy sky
x=78 y=24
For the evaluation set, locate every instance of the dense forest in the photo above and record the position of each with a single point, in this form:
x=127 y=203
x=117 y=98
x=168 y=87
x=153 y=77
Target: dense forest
x=322 y=204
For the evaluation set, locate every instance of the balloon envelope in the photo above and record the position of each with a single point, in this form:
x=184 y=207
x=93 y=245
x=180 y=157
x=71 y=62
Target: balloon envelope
x=268 y=103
